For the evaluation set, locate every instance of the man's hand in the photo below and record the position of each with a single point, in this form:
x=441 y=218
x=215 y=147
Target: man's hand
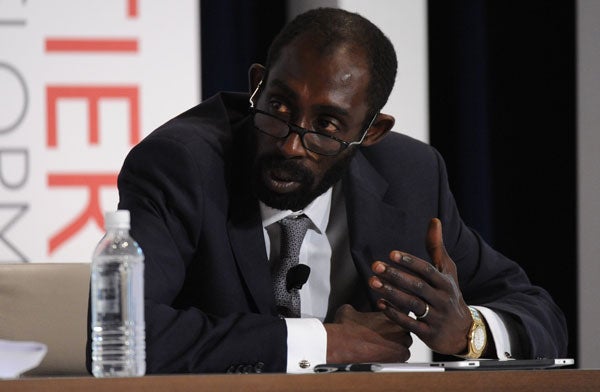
x=429 y=291
x=365 y=337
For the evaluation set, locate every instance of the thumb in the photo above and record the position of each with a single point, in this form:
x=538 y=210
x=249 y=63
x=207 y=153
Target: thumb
x=434 y=243
x=344 y=313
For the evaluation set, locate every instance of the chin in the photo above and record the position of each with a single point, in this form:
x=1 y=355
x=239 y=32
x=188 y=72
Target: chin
x=293 y=201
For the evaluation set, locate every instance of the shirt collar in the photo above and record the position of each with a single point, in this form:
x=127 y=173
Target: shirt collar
x=318 y=212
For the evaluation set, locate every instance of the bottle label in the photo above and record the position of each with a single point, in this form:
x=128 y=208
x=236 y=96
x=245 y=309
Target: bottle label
x=108 y=299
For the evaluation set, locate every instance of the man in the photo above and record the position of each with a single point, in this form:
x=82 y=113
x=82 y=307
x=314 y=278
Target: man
x=207 y=189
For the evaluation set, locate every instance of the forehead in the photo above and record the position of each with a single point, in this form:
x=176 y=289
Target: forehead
x=338 y=73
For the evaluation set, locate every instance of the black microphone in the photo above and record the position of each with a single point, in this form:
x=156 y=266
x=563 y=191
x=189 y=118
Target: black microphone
x=297 y=276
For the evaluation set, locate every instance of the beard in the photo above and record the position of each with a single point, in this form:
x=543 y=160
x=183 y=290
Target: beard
x=308 y=190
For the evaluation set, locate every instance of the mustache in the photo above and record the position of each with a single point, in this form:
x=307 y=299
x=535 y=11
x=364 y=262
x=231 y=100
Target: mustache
x=292 y=167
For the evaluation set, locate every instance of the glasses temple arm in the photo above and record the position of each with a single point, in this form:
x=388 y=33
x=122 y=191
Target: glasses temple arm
x=253 y=94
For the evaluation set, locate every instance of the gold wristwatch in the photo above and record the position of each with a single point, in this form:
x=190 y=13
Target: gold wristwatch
x=477 y=337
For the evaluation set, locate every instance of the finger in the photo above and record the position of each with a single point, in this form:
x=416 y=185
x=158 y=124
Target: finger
x=344 y=313
x=400 y=336
x=400 y=299
x=401 y=288
x=416 y=326
x=434 y=242
x=413 y=272
x=437 y=250
x=388 y=328
x=418 y=308
x=415 y=266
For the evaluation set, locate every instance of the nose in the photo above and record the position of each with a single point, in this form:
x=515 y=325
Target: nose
x=292 y=145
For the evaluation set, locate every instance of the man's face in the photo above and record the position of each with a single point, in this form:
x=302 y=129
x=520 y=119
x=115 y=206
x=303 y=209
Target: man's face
x=316 y=91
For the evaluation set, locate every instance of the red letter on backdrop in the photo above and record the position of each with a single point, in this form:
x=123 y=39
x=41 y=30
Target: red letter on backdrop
x=132 y=8
x=92 y=94
x=92 y=45
x=92 y=211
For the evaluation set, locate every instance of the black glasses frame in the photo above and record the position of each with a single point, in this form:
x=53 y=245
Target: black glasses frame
x=303 y=131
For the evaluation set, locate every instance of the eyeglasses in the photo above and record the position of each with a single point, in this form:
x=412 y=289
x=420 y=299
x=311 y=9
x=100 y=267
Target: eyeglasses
x=314 y=141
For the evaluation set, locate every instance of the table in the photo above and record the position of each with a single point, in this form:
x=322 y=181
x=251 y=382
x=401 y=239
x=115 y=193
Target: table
x=464 y=381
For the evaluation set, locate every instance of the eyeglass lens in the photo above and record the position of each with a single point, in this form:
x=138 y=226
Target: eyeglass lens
x=278 y=128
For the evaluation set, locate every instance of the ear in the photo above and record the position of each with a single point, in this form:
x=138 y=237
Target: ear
x=256 y=72
x=380 y=127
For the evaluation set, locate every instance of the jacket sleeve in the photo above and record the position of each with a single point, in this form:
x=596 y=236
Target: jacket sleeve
x=161 y=184
x=488 y=278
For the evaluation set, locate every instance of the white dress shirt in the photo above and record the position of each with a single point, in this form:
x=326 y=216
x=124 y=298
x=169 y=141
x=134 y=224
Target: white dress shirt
x=307 y=338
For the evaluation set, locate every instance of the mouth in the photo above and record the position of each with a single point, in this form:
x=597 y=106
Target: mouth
x=280 y=180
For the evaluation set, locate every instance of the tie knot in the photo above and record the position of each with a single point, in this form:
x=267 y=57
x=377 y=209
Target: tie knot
x=293 y=230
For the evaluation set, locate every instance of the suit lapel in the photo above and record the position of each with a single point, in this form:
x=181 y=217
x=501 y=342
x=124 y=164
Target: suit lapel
x=248 y=246
x=244 y=226
x=374 y=226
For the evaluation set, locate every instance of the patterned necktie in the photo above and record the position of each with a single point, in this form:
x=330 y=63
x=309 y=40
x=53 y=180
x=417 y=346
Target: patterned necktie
x=293 y=230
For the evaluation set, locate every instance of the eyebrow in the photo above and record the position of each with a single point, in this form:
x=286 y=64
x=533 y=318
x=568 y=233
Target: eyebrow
x=287 y=90
x=323 y=108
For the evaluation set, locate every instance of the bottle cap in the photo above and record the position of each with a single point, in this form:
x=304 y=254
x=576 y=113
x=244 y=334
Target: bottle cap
x=116 y=219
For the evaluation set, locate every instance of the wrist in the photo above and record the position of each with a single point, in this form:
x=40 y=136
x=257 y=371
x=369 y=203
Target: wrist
x=477 y=336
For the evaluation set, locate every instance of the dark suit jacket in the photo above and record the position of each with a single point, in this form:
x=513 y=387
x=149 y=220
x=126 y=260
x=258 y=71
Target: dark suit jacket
x=209 y=301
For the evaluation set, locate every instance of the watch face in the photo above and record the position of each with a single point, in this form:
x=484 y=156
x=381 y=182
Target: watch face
x=479 y=339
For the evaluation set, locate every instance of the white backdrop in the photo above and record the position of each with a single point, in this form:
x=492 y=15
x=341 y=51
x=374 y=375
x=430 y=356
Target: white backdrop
x=80 y=83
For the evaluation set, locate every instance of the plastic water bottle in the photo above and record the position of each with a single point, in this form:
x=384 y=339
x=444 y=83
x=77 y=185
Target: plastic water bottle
x=117 y=302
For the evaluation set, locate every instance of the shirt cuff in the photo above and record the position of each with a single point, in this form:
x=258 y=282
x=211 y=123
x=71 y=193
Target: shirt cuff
x=306 y=344
x=499 y=332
